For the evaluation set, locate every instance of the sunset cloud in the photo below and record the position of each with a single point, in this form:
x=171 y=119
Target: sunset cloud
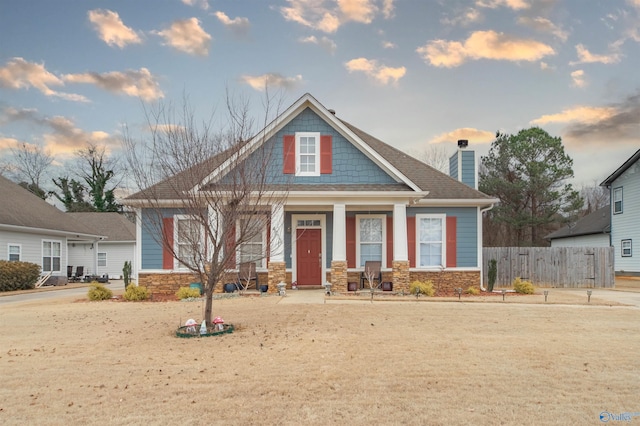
x=324 y=42
x=111 y=29
x=327 y=16
x=139 y=83
x=187 y=36
x=380 y=73
x=511 y=4
x=203 y=4
x=462 y=18
x=469 y=133
x=586 y=57
x=483 y=45
x=260 y=82
x=238 y=26
x=21 y=74
x=580 y=114
x=544 y=25
x=578 y=78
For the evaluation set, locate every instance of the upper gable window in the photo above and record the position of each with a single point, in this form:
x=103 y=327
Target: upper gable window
x=617 y=200
x=308 y=154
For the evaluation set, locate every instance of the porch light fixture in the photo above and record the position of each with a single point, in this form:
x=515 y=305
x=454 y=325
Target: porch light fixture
x=459 y=291
x=589 y=295
x=546 y=293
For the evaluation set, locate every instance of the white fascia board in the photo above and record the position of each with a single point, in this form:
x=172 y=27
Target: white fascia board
x=460 y=202
x=352 y=197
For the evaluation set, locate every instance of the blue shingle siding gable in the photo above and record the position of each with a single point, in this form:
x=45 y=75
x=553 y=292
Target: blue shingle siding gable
x=453 y=167
x=350 y=166
x=466 y=231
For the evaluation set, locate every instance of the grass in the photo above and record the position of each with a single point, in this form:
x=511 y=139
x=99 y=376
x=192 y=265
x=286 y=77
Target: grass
x=388 y=363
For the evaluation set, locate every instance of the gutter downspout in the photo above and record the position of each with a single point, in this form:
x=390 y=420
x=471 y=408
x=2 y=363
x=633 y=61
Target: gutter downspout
x=486 y=209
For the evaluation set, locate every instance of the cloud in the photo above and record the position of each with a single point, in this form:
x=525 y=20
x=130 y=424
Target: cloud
x=8 y=143
x=578 y=79
x=260 y=82
x=543 y=25
x=463 y=18
x=469 y=133
x=140 y=83
x=238 y=26
x=203 y=4
x=483 y=45
x=580 y=114
x=324 y=42
x=328 y=15
x=380 y=73
x=388 y=45
x=187 y=36
x=61 y=135
x=511 y=4
x=111 y=29
x=586 y=57
x=21 y=74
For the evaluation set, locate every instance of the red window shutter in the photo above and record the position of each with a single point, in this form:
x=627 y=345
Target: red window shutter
x=389 y=241
x=326 y=157
x=230 y=247
x=411 y=240
x=288 y=154
x=351 y=242
x=167 y=240
x=451 y=241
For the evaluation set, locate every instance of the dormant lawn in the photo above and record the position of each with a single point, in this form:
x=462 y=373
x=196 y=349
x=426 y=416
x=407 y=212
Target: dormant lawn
x=80 y=362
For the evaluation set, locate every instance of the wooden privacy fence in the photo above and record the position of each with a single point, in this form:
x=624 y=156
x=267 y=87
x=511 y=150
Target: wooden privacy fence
x=564 y=267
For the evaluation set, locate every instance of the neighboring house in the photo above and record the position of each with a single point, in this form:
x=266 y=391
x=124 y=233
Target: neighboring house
x=358 y=199
x=591 y=230
x=624 y=185
x=105 y=256
x=32 y=230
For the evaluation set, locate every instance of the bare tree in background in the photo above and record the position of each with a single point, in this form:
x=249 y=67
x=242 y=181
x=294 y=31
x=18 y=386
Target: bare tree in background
x=595 y=197
x=30 y=167
x=218 y=184
x=436 y=156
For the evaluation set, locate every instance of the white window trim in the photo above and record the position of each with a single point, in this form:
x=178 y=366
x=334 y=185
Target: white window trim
x=384 y=237
x=263 y=261
x=618 y=190
x=177 y=265
x=623 y=248
x=42 y=255
x=19 y=251
x=316 y=135
x=442 y=217
x=98 y=259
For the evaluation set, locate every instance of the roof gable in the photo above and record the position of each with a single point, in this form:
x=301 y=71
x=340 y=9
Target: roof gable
x=620 y=170
x=597 y=222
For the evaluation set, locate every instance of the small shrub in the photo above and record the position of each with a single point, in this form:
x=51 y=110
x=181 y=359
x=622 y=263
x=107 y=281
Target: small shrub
x=18 y=275
x=422 y=287
x=188 y=293
x=136 y=293
x=473 y=290
x=98 y=291
x=523 y=287
x=126 y=273
x=493 y=274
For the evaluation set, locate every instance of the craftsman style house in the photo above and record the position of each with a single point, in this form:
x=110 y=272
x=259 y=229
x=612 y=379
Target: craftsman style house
x=624 y=184
x=350 y=199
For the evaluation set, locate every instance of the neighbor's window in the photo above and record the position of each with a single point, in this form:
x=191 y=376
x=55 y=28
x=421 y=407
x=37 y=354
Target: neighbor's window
x=187 y=240
x=617 y=200
x=14 y=252
x=251 y=232
x=370 y=237
x=307 y=154
x=626 y=248
x=51 y=256
x=430 y=240
x=102 y=259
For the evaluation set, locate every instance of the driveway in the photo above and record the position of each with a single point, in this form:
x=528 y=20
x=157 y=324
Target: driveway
x=74 y=291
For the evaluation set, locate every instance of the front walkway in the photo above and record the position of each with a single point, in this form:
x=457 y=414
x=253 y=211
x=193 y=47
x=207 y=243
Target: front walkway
x=314 y=296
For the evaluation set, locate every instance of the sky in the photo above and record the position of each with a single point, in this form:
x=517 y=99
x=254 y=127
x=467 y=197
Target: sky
x=413 y=73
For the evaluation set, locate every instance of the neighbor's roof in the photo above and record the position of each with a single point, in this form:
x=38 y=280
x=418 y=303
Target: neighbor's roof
x=439 y=185
x=114 y=226
x=598 y=222
x=22 y=209
x=615 y=175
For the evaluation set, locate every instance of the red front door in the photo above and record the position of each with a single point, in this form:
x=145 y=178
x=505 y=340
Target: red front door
x=309 y=256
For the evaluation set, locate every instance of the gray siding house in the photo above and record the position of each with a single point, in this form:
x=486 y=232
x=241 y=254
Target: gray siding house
x=593 y=230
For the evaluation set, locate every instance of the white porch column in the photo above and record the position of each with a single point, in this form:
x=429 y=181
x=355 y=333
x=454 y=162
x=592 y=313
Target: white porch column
x=339 y=233
x=400 y=249
x=215 y=228
x=277 y=234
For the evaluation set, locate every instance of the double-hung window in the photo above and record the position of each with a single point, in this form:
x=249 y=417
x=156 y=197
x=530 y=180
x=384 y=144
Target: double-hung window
x=431 y=230
x=626 y=248
x=307 y=154
x=14 y=252
x=617 y=200
x=51 y=251
x=102 y=259
x=371 y=238
x=188 y=240
x=251 y=233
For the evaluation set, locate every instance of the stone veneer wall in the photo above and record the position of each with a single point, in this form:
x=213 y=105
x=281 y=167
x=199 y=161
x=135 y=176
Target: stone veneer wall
x=338 y=275
x=447 y=281
x=277 y=274
x=166 y=283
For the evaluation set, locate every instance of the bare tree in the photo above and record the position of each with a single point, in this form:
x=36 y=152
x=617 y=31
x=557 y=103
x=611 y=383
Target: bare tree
x=31 y=166
x=595 y=197
x=218 y=183
x=436 y=156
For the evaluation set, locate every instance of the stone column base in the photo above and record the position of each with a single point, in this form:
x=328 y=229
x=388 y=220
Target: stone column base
x=277 y=274
x=400 y=276
x=339 y=275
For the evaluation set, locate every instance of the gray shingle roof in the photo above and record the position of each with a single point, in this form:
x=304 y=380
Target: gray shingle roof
x=598 y=222
x=21 y=208
x=114 y=226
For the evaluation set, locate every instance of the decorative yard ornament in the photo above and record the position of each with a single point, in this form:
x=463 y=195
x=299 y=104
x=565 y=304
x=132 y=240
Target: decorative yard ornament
x=191 y=325
x=219 y=323
x=203 y=327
